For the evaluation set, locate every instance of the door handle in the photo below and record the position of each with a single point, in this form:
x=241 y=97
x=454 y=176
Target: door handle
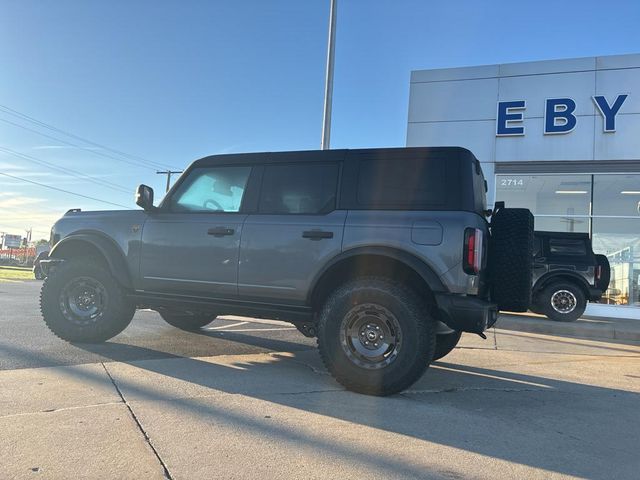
x=316 y=234
x=220 y=231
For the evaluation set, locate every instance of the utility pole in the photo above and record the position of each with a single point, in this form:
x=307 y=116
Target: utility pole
x=168 y=174
x=328 y=84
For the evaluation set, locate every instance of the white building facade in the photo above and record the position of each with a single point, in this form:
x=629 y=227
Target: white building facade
x=560 y=137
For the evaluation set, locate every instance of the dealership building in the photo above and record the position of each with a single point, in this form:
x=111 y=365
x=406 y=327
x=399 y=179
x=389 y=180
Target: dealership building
x=560 y=137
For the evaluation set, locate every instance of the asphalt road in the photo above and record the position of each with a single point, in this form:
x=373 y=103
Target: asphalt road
x=26 y=342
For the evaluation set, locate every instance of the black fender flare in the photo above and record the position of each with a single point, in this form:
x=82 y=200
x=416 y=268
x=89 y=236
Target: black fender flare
x=408 y=259
x=111 y=252
x=550 y=277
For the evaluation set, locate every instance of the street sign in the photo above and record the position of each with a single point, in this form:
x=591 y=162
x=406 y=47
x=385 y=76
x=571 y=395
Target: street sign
x=11 y=241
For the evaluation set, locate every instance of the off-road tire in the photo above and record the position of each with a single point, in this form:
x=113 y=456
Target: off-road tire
x=114 y=318
x=445 y=343
x=605 y=274
x=536 y=305
x=417 y=327
x=38 y=273
x=546 y=299
x=511 y=259
x=188 y=322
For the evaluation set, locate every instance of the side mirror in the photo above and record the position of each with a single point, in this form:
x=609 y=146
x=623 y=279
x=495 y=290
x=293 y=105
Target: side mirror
x=144 y=197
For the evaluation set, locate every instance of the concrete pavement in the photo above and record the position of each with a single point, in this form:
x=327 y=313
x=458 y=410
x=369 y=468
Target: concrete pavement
x=249 y=399
x=479 y=413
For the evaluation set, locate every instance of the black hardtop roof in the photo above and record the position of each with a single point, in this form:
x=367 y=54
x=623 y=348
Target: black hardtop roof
x=333 y=155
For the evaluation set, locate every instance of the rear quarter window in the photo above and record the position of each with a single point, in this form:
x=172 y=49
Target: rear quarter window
x=567 y=247
x=406 y=183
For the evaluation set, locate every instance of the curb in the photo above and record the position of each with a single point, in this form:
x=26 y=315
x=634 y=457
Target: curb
x=612 y=329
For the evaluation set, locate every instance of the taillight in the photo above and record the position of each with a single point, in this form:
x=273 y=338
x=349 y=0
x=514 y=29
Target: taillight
x=472 y=257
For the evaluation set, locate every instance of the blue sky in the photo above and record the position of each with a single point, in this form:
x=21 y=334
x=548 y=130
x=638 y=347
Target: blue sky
x=171 y=81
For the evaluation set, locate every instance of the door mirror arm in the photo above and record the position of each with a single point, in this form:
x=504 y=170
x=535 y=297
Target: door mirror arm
x=144 y=198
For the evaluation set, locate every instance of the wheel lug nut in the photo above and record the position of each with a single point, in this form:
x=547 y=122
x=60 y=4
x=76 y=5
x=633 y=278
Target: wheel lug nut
x=375 y=344
x=377 y=327
x=366 y=342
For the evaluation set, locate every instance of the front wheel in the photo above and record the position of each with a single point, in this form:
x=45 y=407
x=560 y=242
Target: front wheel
x=563 y=302
x=374 y=335
x=188 y=321
x=81 y=302
x=38 y=273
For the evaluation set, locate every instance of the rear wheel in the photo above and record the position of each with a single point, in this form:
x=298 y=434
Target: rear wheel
x=80 y=301
x=374 y=335
x=445 y=343
x=563 y=302
x=186 y=320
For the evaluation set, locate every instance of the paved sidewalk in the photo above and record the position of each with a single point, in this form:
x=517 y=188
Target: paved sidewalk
x=603 y=328
x=519 y=405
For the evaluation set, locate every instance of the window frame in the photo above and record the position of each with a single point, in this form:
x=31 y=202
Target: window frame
x=262 y=169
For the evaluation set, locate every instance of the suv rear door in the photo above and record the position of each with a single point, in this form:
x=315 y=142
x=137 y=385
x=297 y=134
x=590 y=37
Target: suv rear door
x=296 y=229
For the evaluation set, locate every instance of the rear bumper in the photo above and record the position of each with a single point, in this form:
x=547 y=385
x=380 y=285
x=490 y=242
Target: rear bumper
x=595 y=294
x=465 y=313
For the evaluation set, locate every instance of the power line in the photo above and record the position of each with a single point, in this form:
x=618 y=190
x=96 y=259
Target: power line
x=24 y=116
x=62 y=190
x=80 y=175
x=101 y=154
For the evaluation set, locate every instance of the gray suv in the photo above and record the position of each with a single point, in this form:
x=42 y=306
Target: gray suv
x=384 y=254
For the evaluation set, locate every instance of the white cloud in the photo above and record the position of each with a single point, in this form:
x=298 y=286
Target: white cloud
x=19 y=201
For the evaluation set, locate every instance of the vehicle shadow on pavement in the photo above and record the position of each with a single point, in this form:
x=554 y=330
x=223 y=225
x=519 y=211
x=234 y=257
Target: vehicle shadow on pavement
x=556 y=425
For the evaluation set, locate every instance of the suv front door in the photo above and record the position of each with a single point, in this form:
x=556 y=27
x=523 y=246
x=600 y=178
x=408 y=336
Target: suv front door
x=294 y=233
x=190 y=246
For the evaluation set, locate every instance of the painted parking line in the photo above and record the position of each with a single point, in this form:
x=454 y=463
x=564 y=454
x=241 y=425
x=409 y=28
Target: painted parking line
x=263 y=321
x=233 y=330
x=228 y=326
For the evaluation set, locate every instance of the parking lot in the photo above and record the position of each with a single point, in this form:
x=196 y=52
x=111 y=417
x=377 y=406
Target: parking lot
x=249 y=398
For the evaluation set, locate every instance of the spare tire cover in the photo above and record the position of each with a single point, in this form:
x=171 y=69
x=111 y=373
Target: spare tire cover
x=511 y=259
x=605 y=273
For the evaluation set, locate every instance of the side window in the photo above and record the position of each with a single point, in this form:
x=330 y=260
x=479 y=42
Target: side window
x=301 y=189
x=567 y=247
x=409 y=183
x=211 y=189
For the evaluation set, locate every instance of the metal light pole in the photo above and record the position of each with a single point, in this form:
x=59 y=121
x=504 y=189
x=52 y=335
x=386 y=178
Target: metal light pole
x=328 y=84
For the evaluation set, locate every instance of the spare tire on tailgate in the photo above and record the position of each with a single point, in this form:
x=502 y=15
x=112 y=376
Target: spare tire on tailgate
x=511 y=258
x=605 y=273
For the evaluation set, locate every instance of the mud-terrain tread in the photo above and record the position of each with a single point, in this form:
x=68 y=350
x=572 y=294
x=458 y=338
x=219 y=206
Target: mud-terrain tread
x=122 y=310
x=445 y=344
x=418 y=310
x=511 y=259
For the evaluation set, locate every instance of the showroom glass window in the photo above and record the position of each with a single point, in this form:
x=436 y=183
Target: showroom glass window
x=299 y=189
x=616 y=233
x=607 y=206
x=560 y=203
